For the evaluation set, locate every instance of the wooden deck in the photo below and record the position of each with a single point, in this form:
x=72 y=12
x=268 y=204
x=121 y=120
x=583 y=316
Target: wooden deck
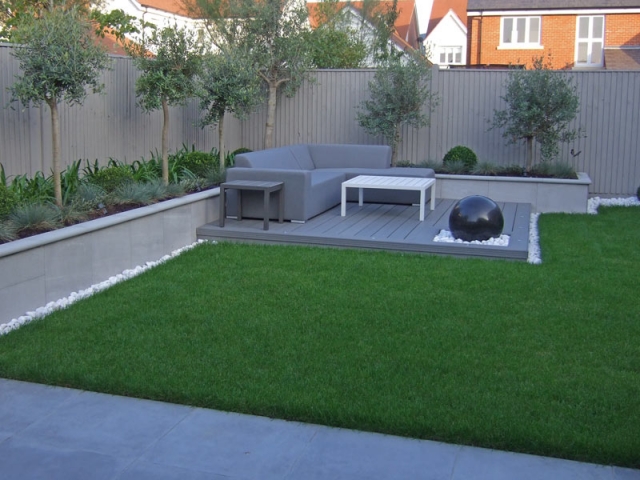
x=380 y=227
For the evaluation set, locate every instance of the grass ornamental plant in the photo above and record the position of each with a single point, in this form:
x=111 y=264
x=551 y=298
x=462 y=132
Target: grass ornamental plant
x=538 y=359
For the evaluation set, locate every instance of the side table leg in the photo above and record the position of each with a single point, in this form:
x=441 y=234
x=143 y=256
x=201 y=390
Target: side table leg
x=223 y=207
x=343 y=202
x=360 y=196
x=267 y=196
x=423 y=194
x=433 y=196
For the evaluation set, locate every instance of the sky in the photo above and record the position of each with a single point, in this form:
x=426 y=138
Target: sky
x=423 y=7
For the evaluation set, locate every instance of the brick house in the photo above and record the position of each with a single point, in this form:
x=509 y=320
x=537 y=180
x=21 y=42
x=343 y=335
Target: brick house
x=589 y=34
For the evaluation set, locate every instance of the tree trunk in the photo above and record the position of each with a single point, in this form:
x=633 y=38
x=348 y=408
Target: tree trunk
x=221 y=142
x=165 y=141
x=271 y=116
x=394 y=146
x=55 y=139
x=529 y=153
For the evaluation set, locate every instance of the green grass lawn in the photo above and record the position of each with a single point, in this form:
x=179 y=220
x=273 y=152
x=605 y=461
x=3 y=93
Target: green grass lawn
x=541 y=359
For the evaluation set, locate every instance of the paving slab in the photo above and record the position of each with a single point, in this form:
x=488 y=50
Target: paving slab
x=59 y=433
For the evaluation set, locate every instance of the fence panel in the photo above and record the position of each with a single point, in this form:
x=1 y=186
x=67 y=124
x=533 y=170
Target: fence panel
x=108 y=125
x=324 y=111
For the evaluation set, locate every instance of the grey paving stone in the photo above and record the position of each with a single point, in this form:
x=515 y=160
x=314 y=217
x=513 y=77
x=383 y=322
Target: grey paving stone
x=106 y=424
x=22 y=403
x=625 y=474
x=151 y=471
x=25 y=460
x=485 y=464
x=345 y=454
x=233 y=444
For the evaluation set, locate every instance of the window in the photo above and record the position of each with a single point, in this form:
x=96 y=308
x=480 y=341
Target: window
x=450 y=55
x=589 y=41
x=520 y=32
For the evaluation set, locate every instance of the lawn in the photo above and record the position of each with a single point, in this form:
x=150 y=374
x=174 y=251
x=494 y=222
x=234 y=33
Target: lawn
x=542 y=359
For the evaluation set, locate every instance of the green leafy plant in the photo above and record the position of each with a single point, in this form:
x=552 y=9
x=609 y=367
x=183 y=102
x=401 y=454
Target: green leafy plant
x=167 y=77
x=199 y=162
x=112 y=177
x=400 y=94
x=511 y=170
x=37 y=189
x=60 y=58
x=8 y=201
x=540 y=106
x=463 y=154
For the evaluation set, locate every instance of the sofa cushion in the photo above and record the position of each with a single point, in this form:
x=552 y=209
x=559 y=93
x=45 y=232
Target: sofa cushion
x=302 y=156
x=276 y=158
x=350 y=156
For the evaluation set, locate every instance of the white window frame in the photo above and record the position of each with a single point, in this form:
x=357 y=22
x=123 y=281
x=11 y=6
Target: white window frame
x=590 y=41
x=453 y=50
x=527 y=44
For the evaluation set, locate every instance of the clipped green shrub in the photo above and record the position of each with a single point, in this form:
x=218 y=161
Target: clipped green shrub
x=8 y=200
x=463 y=154
x=112 y=177
x=198 y=162
x=241 y=150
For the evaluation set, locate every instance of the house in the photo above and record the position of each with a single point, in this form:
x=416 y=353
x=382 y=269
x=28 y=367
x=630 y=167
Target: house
x=445 y=36
x=406 y=35
x=585 y=34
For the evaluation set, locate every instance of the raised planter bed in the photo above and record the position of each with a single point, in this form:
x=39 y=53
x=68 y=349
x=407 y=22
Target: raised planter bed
x=43 y=268
x=544 y=194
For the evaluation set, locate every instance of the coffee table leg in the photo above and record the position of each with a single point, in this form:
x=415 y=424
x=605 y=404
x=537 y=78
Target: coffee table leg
x=343 y=207
x=422 y=198
x=432 y=204
x=360 y=196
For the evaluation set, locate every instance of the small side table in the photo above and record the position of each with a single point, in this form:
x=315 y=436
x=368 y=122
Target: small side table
x=266 y=187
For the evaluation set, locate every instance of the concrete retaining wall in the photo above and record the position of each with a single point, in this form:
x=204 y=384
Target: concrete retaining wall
x=49 y=266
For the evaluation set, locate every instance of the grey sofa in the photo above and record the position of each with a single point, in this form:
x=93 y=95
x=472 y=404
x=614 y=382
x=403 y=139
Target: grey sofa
x=313 y=175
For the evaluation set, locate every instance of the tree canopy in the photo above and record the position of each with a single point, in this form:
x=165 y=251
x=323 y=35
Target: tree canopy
x=400 y=94
x=59 y=60
x=540 y=106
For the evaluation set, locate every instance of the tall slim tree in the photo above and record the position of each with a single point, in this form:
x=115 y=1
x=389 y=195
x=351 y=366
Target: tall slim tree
x=169 y=61
x=400 y=93
x=272 y=32
x=541 y=104
x=59 y=59
x=228 y=83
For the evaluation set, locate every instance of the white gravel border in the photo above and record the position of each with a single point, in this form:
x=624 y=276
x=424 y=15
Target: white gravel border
x=75 y=296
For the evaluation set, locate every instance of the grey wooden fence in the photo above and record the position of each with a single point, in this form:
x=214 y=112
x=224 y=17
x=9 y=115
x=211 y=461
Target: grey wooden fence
x=324 y=111
x=107 y=125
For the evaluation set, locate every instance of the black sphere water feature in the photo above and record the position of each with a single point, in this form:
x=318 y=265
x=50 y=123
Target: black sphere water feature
x=476 y=218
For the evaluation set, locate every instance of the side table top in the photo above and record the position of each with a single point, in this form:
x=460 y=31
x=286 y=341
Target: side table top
x=251 y=184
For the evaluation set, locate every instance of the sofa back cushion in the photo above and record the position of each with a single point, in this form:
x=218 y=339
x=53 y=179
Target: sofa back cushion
x=350 y=156
x=294 y=157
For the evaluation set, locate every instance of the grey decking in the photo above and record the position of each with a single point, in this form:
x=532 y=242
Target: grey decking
x=382 y=227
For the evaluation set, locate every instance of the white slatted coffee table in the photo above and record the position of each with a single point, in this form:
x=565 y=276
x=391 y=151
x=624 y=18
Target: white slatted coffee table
x=390 y=183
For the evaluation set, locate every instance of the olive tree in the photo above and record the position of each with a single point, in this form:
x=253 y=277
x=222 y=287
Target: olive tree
x=169 y=61
x=540 y=106
x=227 y=83
x=59 y=59
x=272 y=32
x=400 y=94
